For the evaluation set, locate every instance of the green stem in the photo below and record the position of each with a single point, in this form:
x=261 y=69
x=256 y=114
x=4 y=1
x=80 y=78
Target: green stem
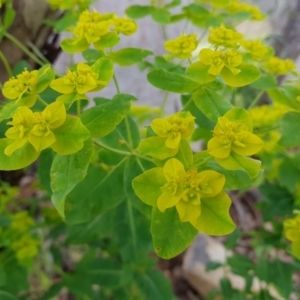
x=116 y=84
x=202 y=162
x=188 y=103
x=257 y=98
x=202 y=35
x=163 y=103
x=266 y=129
x=132 y=226
x=38 y=53
x=42 y=101
x=6 y=64
x=23 y=48
x=78 y=108
x=164 y=32
x=125 y=153
x=129 y=136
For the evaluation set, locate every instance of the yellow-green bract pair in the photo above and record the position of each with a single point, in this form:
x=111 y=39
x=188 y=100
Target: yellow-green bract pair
x=194 y=195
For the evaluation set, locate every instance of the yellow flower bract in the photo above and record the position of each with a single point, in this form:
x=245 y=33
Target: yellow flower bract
x=225 y=37
x=34 y=127
x=183 y=46
x=217 y=60
x=185 y=189
x=233 y=135
x=174 y=128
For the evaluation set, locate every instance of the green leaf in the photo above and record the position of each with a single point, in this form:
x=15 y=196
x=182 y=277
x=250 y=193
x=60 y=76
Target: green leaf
x=10 y=107
x=44 y=167
x=286 y=95
x=67 y=171
x=98 y=192
x=7 y=296
x=213 y=265
x=185 y=154
x=104 y=272
x=240 y=264
x=138 y=11
x=290 y=125
x=171 y=82
x=265 y=82
x=74 y=45
x=215 y=218
x=147 y=185
x=170 y=235
x=45 y=76
x=133 y=168
x=94 y=230
x=289 y=173
x=129 y=56
x=173 y=3
x=70 y=136
x=237 y=162
x=161 y=16
x=105 y=69
x=116 y=143
x=235 y=179
x=91 y=55
x=9 y=16
x=248 y=74
x=108 y=40
x=103 y=119
x=20 y=158
x=199 y=73
x=197 y=14
x=211 y=104
x=155 y=146
x=154 y=285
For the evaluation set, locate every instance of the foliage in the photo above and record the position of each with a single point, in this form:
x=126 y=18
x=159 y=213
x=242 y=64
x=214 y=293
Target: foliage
x=120 y=191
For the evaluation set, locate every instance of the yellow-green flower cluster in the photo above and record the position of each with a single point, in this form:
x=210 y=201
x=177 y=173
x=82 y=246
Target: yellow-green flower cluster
x=216 y=3
x=254 y=11
x=292 y=233
x=69 y=4
x=218 y=59
x=27 y=85
x=35 y=128
x=257 y=49
x=233 y=135
x=267 y=115
x=100 y=30
x=225 y=37
x=174 y=128
x=183 y=46
x=83 y=80
x=279 y=66
x=185 y=189
x=22 y=242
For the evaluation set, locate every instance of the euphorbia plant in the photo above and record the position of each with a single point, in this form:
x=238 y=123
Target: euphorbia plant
x=99 y=165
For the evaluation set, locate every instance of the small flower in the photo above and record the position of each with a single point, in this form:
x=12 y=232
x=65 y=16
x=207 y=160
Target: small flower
x=83 y=80
x=26 y=247
x=16 y=87
x=254 y=11
x=217 y=60
x=278 y=66
x=233 y=135
x=35 y=127
x=124 y=26
x=225 y=37
x=186 y=189
x=174 y=128
x=292 y=229
x=257 y=49
x=183 y=46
